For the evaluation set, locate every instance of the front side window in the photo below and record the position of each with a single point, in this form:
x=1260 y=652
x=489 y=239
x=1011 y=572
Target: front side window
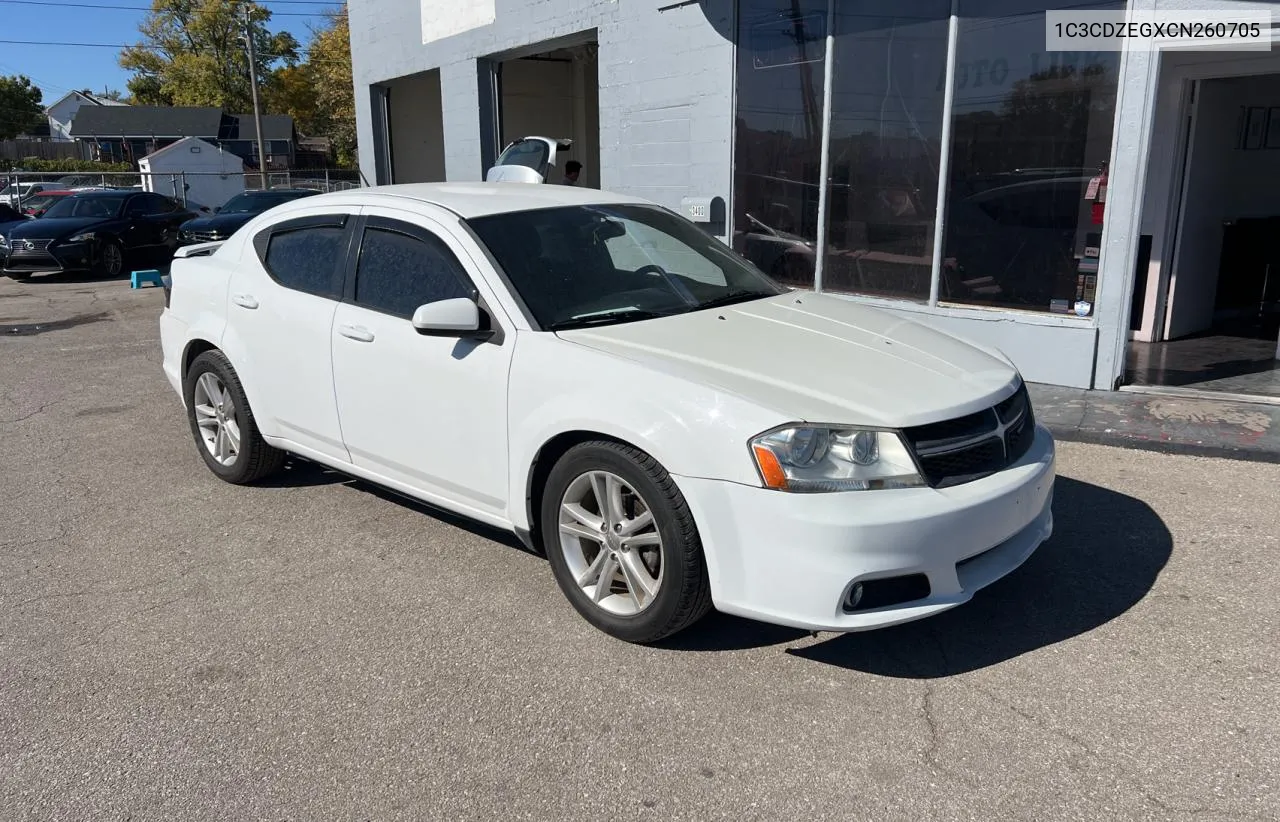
x=305 y=258
x=588 y=265
x=398 y=272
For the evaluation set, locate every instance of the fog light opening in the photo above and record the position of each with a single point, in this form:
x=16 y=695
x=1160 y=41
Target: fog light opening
x=854 y=597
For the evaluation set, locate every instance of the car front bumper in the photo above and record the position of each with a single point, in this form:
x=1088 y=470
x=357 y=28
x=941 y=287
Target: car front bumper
x=792 y=559
x=64 y=257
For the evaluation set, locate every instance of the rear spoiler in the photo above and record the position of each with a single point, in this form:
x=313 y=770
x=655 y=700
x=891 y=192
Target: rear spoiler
x=198 y=250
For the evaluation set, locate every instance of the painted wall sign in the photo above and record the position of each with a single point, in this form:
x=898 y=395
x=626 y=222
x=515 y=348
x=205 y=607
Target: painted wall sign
x=445 y=18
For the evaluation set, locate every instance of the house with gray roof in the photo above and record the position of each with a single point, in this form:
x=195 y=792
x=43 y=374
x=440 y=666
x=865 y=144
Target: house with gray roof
x=129 y=133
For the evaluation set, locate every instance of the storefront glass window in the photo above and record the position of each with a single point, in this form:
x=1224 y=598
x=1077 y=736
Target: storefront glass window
x=1030 y=144
x=886 y=137
x=778 y=147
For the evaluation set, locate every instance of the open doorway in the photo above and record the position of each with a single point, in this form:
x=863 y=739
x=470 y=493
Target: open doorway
x=553 y=93
x=1216 y=323
x=416 y=122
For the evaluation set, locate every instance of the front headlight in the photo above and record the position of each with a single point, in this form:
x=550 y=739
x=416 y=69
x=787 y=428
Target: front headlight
x=82 y=238
x=813 y=459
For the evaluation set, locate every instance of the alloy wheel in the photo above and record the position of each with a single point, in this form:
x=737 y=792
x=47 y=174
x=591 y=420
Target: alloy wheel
x=216 y=418
x=610 y=542
x=112 y=259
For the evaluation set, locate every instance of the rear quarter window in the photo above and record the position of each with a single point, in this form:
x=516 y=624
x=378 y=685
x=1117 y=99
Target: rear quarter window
x=306 y=255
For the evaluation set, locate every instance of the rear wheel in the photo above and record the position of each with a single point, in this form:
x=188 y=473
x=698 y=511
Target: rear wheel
x=222 y=422
x=622 y=543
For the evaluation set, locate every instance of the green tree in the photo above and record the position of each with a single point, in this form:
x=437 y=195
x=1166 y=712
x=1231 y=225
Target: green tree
x=20 y=107
x=329 y=62
x=193 y=54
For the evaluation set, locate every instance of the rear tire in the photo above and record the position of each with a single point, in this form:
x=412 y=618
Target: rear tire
x=644 y=544
x=222 y=422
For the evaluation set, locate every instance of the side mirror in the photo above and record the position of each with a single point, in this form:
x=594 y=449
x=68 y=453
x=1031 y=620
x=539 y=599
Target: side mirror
x=459 y=317
x=216 y=209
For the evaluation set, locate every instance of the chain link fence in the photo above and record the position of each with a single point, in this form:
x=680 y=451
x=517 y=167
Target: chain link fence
x=187 y=187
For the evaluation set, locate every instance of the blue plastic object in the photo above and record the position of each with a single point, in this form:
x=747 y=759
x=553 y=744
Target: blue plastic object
x=149 y=275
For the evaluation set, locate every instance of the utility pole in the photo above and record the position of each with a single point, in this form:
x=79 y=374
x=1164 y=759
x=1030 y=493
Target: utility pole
x=253 y=89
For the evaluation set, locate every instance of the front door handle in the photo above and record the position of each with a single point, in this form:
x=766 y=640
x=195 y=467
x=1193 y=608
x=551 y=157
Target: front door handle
x=244 y=300
x=356 y=332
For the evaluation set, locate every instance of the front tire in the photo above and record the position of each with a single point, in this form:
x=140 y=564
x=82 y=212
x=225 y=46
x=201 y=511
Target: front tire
x=622 y=543
x=109 y=259
x=223 y=425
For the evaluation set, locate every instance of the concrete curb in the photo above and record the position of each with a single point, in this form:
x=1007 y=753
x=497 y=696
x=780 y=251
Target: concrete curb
x=1199 y=426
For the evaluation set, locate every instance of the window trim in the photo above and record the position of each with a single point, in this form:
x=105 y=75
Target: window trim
x=342 y=220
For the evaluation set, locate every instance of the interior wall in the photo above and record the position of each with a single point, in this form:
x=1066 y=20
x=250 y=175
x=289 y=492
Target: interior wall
x=1164 y=171
x=1223 y=183
x=555 y=97
x=417 y=128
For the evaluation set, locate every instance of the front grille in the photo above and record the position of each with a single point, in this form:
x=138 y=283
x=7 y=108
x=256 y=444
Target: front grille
x=24 y=247
x=205 y=236
x=32 y=262
x=964 y=449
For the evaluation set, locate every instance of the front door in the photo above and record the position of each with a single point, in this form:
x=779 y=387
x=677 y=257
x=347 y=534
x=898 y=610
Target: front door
x=425 y=412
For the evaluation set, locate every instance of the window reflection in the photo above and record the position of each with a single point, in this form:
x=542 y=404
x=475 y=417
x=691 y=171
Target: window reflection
x=777 y=154
x=1031 y=138
x=886 y=138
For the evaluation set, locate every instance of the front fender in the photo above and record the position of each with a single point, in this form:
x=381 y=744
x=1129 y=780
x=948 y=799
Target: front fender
x=557 y=387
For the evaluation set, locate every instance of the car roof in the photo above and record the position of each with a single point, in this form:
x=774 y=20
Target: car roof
x=93 y=195
x=469 y=200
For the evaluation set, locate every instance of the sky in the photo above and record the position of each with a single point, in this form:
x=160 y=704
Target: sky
x=59 y=69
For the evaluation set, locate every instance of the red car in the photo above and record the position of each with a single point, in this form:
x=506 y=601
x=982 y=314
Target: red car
x=38 y=204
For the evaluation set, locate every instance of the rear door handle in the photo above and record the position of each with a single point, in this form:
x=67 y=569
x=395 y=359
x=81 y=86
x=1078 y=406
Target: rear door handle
x=356 y=332
x=244 y=300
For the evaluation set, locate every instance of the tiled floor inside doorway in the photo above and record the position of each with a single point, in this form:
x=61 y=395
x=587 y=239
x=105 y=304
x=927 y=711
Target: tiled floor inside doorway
x=1213 y=362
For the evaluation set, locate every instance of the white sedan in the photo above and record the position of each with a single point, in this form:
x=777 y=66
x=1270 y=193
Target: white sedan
x=596 y=374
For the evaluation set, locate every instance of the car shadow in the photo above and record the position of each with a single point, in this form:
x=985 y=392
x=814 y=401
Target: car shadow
x=1106 y=553
x=301 y=473
x=1104 y=557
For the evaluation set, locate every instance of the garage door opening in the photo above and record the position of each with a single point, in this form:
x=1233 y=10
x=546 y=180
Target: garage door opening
x=416 y=123
x=554 y=93
x=1216 y=323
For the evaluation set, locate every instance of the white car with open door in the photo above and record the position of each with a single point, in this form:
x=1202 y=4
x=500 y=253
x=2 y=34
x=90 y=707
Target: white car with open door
x=598 y=375
x=528 y=160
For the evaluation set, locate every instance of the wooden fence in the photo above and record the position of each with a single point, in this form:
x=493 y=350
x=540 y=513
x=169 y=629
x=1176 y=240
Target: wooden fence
x=16 y=150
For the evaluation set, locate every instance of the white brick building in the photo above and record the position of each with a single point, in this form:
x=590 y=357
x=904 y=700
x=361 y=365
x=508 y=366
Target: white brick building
x=837 y=136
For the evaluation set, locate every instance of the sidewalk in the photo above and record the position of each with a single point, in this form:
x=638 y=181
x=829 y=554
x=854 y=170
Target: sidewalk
x=1204 y=427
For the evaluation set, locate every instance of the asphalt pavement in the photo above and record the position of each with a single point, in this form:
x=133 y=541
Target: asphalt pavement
x=175 y=648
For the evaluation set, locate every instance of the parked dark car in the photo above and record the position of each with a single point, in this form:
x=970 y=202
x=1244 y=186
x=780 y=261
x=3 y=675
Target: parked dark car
x=98 y=231
x=239 y=210
x=10 y=218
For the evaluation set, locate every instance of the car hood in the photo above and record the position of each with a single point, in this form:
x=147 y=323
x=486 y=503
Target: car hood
x=816 y=358
x=221 y=223
x=46 y=228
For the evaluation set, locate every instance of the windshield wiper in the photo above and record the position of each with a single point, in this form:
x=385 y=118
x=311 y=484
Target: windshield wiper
x=729 y=298
x=605 y=317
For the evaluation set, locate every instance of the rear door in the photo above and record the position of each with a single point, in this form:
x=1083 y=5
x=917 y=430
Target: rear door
x=279 y=325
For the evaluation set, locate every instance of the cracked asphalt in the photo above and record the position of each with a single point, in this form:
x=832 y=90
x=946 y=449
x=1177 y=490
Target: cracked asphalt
x=174 y=648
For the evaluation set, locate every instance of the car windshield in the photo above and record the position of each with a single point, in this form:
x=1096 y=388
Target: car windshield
x=256 y=203
x=40 y=201
x=86 y=207
x=578 y=266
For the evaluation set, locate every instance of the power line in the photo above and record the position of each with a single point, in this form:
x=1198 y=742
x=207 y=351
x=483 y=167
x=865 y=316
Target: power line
x=302 y=54
x=56 y=4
